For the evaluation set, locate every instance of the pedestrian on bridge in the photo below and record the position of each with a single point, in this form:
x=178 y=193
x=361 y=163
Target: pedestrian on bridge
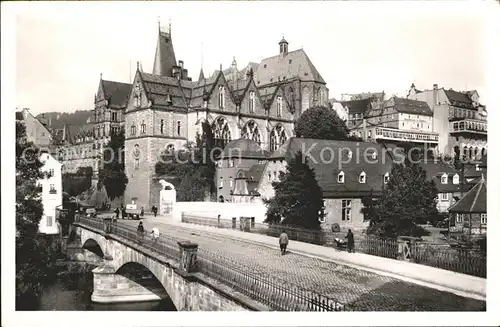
x=283 y=241
x=350 y=241
x=155 y=234
x=140 y=232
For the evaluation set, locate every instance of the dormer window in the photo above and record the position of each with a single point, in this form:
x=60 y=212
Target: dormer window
x=456 y=179
x=221 y=97
x=169 y=99
x=386 y=178
x=251 y=104
x=362 y=178
x=444 y=179
x=205 y=104
x=340 y=178
x=279 y=106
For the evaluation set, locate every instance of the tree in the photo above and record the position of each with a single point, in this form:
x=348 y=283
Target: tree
x=77 y=183
x=322 y=123
x=192 y=168
x=298 y=198
x=408 y=198
x=33 y=255
x=112 y=172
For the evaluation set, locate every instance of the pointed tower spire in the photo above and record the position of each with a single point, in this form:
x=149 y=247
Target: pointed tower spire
x=165 y=55
x=202 y=76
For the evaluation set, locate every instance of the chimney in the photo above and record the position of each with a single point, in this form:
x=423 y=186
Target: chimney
x=364 y=130
x=435 y=95
x=181 y=63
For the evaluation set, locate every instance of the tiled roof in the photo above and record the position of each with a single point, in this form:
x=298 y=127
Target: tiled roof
x=357 y=106
x=116 y=93
x=435 y=170
x=159 y=87
x=293 y=64
x=327 y=171
x=408 y=106
x=75 y=131
x=244 y=148
x=472 y=202
x=459 y=97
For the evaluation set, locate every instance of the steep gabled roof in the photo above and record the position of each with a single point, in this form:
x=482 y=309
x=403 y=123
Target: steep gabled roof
x=327 y=171
x=158 y=88
x=357 y=106
x=293 y=64
x=116 y=93
x=472 y=202
x=408 y=106
x=455 y=96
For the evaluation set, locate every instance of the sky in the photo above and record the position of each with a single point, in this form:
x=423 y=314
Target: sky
x=62 y=48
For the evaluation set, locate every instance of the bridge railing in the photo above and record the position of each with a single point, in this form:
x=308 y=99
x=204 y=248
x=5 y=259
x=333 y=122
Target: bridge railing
x=278 y=294
x=165 y=245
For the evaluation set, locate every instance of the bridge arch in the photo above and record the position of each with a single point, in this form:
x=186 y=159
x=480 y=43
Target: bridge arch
x=93 y=246
x=143 y=276
x=160 y=272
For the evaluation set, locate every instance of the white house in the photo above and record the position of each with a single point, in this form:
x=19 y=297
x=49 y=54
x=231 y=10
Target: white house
x=51 y=193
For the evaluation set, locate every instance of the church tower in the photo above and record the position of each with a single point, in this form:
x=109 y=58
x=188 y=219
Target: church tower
x=165 y=56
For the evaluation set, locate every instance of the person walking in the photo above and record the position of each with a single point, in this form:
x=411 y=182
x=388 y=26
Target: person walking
x=155 y=234
x=350 y=241
x=155 y=210
x=283 y=240
x=140 y=232
x=218 y=221
x=142 y=211
x=117 y=213
x=124 y=212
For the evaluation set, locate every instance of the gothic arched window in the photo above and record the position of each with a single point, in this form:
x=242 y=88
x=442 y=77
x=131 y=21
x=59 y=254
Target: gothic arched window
x=221 y=97
x=251 y=132
x=251 y=102
x=305 y=99
x=279 y=106
x=278 y=137
x=222 y=134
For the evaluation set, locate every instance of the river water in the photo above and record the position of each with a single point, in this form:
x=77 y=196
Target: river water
x=73 y=292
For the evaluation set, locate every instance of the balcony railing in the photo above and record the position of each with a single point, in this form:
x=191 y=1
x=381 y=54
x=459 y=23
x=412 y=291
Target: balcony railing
x=399 y=135
x=469 y=125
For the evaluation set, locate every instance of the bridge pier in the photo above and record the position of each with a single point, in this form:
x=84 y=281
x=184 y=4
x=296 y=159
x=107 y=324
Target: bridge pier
x=110 y=287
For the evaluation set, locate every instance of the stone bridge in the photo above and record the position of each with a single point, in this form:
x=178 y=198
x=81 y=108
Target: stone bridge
x=130 y=272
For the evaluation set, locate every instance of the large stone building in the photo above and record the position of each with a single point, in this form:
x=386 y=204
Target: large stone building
x=82 y=146
x=166 y=108
x=397 y=120
x=460 y=120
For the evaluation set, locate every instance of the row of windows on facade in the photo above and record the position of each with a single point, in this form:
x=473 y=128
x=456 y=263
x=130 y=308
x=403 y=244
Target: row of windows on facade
x=99 y=132
x=52 y=188
x=231 y=163
x=101 y=115
x=463 y=113
x=133 y=129
x=460 y=218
